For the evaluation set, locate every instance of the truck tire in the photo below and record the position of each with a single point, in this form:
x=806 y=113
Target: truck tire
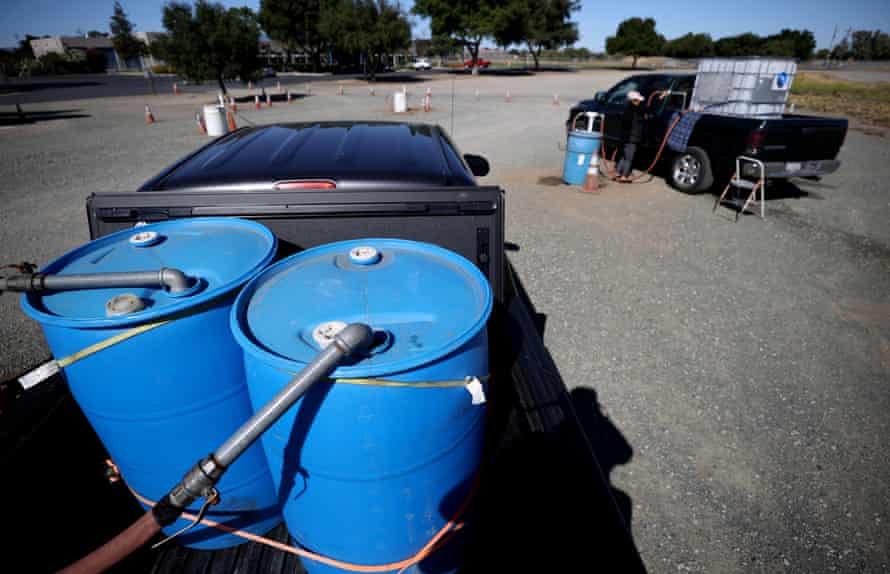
x=691 y=172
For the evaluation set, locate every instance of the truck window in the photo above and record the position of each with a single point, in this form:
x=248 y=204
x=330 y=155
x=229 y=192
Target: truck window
x=680 y=86
x=618 y=94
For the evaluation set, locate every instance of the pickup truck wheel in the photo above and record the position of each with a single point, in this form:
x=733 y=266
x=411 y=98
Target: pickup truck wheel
x=691 y=171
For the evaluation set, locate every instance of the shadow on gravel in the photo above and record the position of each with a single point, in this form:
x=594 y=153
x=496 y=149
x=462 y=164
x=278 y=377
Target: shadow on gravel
x=544 y=502
x=31 y=117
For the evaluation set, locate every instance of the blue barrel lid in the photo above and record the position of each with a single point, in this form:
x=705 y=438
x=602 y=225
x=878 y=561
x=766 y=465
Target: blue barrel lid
x=221 y=253
x=422 y=300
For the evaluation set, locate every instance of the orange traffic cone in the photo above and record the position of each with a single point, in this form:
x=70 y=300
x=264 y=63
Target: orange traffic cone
x=427 y=103
x=268 y=100
x=592 y=181
x=289 y=97
x=507 y=97
x=555 y=99
x=231 y=117
x=340 y=90
x=256 y=101
x=175 y=89
x=149 y=117
x=371 y=91
x=202 y=130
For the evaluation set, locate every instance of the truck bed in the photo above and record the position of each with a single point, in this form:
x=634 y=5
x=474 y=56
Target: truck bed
x=543 y=503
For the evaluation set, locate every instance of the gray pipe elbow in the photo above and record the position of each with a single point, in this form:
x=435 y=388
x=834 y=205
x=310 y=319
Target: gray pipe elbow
x=174 y=280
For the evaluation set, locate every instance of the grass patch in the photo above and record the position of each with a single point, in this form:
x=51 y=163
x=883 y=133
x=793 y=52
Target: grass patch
x=869 y=102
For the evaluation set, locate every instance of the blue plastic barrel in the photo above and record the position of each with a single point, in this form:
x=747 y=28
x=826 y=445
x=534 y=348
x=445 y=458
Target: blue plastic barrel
x=370 y=465
x=579 y=149
x=167 y=397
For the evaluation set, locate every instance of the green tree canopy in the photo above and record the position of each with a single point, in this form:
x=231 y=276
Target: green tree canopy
x=689 y=46
x=467 y=21
x=125 y=44
x=211 y=42
x=539 y=24
x=869 y=45
x=747 y=44
x=374 y=28
x=798 y=44
x=635 y=37
x=296 y=24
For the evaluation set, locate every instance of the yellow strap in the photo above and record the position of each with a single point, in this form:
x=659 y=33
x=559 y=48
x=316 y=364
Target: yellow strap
x=102 y=345
x=417 y=384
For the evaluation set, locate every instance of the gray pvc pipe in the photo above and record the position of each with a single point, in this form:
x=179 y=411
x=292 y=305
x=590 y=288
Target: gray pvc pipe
x=352 y=338
x=173 y=279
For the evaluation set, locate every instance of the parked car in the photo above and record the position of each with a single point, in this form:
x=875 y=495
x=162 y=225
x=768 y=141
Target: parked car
x=480 y=63
x=421 y=64
x=790 y=146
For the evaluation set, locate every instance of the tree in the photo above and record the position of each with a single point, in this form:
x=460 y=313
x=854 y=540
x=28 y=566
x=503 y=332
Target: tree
x=296 y=24
x=746 y=44
x=125 y=44
x=689 y=46
x=370 y=27
x=798 y=44
x=870 y=45
x=635 y=37
x=467 y=21
x=540 y=24
x=211 y=42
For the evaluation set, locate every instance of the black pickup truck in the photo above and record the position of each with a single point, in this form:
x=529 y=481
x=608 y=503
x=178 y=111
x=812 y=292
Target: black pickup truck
x=543 y=504
x=790 y=146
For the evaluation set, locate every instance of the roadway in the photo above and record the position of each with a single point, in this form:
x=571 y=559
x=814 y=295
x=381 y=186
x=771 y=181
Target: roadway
x=88 y=86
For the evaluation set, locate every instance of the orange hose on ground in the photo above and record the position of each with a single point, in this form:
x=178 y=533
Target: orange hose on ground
x=436 y=542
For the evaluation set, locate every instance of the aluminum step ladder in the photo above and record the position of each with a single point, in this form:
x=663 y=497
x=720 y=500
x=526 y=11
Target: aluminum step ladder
x=737 y=182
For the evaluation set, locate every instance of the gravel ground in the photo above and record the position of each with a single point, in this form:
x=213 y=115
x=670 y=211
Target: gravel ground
x=746 y=364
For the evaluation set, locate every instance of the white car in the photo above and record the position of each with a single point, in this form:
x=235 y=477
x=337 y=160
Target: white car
x=422 y=64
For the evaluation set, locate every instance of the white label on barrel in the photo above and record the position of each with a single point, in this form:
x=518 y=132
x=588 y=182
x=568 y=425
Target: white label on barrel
x=477 y=392
x=581 y=159
x=38 y=375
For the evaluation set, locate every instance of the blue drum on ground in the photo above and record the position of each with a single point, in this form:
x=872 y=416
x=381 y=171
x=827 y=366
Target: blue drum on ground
x=580 y=148
x=371 y=464
x=165 y=398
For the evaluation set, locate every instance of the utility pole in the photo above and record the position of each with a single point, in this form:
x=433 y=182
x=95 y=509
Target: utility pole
x=830 y=47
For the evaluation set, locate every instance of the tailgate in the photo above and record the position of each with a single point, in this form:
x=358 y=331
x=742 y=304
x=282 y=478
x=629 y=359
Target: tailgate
x=803 y=138
x=466 y=220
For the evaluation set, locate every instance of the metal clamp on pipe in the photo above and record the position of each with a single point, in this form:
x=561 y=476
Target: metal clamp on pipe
x=173 y=280
x=199 y=482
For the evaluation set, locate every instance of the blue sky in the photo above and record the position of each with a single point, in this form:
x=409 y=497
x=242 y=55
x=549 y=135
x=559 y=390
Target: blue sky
x=596 y=20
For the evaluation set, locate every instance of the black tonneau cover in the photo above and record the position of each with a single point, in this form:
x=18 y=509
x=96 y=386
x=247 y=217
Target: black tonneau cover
x=354 y=155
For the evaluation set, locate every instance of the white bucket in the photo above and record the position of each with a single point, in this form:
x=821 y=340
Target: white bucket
x=215 y=120
x=400 y=102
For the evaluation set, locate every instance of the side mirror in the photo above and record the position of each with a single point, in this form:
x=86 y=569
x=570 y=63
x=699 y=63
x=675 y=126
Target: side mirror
x=600 y=97
x=478 y=165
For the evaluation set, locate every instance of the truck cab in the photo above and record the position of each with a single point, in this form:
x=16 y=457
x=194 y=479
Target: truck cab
x=789 y=146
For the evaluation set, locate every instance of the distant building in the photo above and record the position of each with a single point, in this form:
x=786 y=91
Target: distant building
x=103 y=44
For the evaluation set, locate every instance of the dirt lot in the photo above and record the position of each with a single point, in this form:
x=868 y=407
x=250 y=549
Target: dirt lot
x=745 y=365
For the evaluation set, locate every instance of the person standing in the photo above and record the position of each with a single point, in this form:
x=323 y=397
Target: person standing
x=631 y=135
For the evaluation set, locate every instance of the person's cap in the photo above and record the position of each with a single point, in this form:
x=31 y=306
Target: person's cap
x=635 y=95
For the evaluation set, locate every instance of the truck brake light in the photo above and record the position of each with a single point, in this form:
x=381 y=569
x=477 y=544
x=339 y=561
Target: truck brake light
x=322 y=184
x=755 y=141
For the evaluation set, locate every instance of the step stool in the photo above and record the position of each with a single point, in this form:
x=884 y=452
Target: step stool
x=737 y=182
